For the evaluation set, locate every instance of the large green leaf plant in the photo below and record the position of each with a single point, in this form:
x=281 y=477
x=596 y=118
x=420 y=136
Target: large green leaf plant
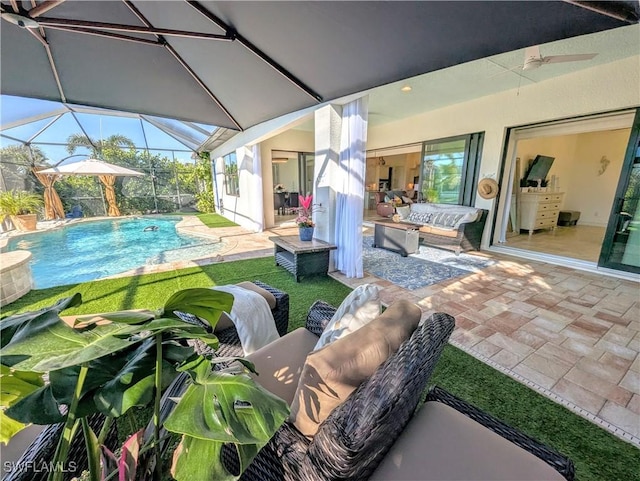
x=54 y=373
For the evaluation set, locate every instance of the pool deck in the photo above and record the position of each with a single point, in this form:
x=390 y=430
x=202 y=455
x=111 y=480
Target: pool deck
x=571 y=335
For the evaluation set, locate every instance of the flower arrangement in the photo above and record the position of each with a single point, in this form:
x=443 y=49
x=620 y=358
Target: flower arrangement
x=304 y=212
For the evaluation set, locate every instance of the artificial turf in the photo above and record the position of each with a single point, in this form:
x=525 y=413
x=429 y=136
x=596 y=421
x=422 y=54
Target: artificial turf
x=215 y=220
x=598 y=455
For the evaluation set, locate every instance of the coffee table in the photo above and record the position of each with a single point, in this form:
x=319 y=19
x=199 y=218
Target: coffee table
x=401 y=237
x=302 y=258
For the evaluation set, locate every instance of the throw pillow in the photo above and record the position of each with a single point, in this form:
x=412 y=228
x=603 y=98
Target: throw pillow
x=397 y=199
x=331 y=374
x=403 y=211
x=406 y=200
x=361 y=306
x=420 y=217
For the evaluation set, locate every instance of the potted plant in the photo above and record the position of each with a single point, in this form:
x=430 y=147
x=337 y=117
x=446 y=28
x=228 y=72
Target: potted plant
x=304 y=220
x=54 y=373
x=21 y=207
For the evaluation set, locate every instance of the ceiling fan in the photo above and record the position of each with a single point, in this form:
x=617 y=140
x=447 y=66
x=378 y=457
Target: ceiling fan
x=533 y=59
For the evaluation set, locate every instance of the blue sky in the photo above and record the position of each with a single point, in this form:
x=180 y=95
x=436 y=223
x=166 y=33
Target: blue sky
x=50 y=134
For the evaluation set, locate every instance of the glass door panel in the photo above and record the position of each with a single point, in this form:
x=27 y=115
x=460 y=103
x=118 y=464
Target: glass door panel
x=442 y=164
x=621 y=247
x=449 y=169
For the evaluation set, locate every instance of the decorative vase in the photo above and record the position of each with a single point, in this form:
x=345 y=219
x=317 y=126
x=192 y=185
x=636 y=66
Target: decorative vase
x=306 y=233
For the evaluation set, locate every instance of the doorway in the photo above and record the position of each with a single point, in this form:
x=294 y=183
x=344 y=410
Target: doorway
x=559 y=183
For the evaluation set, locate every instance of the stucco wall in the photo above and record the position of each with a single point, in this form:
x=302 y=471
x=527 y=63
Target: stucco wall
x=603 y=88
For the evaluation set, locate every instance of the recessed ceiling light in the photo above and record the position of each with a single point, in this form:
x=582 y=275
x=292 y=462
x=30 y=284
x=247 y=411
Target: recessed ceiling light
x=406 y=88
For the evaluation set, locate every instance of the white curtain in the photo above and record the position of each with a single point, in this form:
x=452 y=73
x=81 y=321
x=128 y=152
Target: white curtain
x=350 y=188
x=258 y=213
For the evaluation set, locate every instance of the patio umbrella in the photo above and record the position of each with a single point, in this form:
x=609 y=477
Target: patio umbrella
x=237 y=64
x=105 y=171
x=53 y=208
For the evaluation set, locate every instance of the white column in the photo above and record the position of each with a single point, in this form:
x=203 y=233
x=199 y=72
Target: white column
x=328 y=125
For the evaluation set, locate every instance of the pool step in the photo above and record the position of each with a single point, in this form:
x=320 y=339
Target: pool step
x=198 y=251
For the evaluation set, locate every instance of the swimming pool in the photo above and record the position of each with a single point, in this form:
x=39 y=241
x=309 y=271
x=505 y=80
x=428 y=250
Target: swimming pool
x=92 y=250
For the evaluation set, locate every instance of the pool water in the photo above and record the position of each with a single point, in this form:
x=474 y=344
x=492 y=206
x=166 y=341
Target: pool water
x=92 y=250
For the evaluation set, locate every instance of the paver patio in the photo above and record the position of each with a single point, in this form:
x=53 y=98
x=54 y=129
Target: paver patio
x=574 y=336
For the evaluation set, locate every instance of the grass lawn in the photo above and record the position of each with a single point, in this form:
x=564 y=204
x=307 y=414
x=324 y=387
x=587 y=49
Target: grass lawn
x=597 y=454
x=215 y=220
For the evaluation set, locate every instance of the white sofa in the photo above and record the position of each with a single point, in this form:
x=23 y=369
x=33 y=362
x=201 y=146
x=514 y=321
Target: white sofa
x=455 y=227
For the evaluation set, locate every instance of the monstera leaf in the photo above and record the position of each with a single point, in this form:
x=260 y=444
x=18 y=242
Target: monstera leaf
x=60 y=346
x=14 y=385
x=20 y=326
x=220 y=408
x=204 y=303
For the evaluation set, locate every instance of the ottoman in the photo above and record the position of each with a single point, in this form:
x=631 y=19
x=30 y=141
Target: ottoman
x=568 y=217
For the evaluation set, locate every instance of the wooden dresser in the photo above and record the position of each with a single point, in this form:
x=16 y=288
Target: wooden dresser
x=539 y=210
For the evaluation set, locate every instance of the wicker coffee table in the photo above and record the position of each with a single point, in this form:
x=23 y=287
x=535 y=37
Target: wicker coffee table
x=302 y=258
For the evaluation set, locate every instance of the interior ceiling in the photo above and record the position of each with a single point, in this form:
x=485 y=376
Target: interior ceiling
x=280 y=57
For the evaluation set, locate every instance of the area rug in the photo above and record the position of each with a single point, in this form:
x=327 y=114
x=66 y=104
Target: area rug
x=424 y=268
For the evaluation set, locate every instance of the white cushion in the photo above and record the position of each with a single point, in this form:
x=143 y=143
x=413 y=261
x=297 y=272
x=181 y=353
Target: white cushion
x=360 y=307
x=403 y=211
x=406 y=200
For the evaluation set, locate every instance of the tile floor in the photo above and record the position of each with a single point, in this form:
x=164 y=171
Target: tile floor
x=572 y=335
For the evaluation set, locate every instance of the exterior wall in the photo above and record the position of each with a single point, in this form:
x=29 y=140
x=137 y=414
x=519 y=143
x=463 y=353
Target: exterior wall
x=608 y=87
x=604 y=88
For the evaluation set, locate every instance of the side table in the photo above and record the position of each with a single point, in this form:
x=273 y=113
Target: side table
x=399 y=237
x=302 y=258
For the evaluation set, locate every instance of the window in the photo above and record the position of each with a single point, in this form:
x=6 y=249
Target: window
x=450 y=169
x=232 y=186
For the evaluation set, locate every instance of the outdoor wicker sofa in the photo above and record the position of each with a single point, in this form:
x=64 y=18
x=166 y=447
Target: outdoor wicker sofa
x=42 y=449
x=356 y=437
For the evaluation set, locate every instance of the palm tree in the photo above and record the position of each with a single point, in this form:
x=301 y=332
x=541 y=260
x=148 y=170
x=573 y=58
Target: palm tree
x=98 y=147
x=16 y=162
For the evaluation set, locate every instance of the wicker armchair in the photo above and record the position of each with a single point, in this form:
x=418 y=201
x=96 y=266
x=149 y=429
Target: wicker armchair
x=356 y=436
x=358 y=433
x=29 y=466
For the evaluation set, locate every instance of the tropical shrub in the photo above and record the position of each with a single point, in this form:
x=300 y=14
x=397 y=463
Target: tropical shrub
x=54 y=373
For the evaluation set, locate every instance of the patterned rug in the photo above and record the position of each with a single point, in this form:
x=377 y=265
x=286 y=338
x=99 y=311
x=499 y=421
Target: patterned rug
x=424 y=268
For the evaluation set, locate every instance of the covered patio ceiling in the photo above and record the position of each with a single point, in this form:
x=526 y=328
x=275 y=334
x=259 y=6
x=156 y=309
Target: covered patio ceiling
x=237 y=64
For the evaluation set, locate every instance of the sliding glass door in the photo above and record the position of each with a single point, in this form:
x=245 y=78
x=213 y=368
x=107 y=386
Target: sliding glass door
x=621 y=247
x=450 y=169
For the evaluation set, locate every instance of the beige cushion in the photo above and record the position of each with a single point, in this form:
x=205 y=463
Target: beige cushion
x=440 y=443
x=331 y=374
x=225 y=321
x=429 y=229
x=279 y=364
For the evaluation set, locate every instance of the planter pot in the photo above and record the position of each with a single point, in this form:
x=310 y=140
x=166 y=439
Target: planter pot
x=26 y=222
x=306 y=233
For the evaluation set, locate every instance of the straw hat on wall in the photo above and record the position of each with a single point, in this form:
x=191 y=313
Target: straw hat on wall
x=488 y=188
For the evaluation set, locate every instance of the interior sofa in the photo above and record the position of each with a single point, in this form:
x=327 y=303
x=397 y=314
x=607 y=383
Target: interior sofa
x=375 y=432
x=42 y=449
x=450 y=226
x=386 y=202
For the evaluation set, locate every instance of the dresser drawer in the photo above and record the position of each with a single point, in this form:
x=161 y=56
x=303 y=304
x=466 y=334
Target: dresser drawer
x=545 y=223
x=549 y=206
x=547 y=214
